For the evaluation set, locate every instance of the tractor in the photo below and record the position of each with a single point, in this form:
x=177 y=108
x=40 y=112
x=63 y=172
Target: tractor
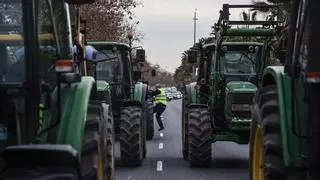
x=285 y=140
x=51 y=127
x=101 y=92
x=218 y=106
x=128 y=97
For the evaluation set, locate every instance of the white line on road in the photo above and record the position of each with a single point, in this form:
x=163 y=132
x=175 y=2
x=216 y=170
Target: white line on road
x=159 y=165
x=160 y=145
x=161 y=134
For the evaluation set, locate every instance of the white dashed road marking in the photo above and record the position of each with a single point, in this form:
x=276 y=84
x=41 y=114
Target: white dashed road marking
x=159 y=165
x=161 y=134
x=160 y=145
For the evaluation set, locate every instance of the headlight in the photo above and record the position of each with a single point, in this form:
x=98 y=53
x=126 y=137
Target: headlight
x=241 y=107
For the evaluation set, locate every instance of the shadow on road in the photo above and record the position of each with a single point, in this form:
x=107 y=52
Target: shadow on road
x=230 y=163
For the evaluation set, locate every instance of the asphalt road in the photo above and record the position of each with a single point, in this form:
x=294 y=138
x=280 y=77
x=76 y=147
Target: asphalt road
x=164 y=158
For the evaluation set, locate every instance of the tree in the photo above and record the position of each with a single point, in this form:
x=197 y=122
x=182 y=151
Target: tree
x=111 y=20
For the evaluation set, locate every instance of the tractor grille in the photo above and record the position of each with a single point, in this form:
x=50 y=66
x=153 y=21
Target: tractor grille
x=241 y=105
x=238 y=105
x=242 y=98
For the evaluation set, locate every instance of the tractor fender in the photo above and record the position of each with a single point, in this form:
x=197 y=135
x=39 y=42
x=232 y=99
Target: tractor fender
x=140 y=92
x=74 y=104
x=275 y=75
x=191 y=93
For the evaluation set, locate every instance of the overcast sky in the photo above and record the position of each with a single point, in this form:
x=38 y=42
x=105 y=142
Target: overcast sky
x=168 y=26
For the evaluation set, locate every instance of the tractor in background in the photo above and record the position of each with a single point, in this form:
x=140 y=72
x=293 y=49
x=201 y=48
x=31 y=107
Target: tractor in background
x=285 y=139
x=101 y=92
x=218 y=106
x=46 y=110
x=128 y=98
x=139 y=66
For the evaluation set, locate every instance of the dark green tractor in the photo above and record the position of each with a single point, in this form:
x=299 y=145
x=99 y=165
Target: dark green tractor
x=218 y=106
x=128 y=97
x=285 y=128
x=50 y=126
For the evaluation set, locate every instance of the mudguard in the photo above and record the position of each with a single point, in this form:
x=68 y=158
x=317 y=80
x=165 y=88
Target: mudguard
x=56 y=162
x=140 y=92
x=290 y=141
x=74 y=104
x=191 y=94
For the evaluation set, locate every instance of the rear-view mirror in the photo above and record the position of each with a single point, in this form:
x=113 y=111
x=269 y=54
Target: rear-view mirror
x=192 y=56
x=153 y=73
x=282 y=56
x=80 y=1
x=137 y=75
x=140 y=55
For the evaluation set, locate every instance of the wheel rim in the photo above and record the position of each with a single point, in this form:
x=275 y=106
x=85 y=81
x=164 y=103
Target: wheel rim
x=100 y=169
x=257 y=160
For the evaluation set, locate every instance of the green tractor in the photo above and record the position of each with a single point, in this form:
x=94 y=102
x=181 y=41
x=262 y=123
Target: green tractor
x=50 y=125
x=218 y=106
x=285 y=141
x=128 y=98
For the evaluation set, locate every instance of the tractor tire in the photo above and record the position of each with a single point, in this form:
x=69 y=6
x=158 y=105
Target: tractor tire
x=150 y=119
x=93 y=159
x=266 y=157
x=131 y=137
x=184 y=130
x=199 y=137
x=110 y=165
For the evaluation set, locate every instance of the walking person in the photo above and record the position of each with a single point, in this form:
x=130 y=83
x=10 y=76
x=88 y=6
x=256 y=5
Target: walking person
x=160 y=104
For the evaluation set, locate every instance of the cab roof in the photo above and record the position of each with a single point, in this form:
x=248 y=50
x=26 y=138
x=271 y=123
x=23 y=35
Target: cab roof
x=209 y=45
x=242 y=43
x=107 y=44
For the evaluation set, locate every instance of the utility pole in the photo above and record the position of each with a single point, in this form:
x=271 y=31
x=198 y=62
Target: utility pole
x=194 y=26
x=194 y=41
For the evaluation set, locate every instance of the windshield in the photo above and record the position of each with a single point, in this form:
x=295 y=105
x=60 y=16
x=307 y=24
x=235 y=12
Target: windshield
x=237 y=62
x=11 y=39
x=112 y=69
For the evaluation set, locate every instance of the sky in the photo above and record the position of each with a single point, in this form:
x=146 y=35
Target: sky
x=168 y=26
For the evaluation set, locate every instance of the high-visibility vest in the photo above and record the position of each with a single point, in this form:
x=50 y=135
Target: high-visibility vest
x=161 y=98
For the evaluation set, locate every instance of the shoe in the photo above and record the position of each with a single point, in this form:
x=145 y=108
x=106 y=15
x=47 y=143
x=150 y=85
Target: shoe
x=160 y=129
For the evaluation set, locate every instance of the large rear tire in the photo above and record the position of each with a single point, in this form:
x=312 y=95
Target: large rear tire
x=150 y=123
x=199 y=137
x=266 y=157
x=131 y=137
x=93 y=156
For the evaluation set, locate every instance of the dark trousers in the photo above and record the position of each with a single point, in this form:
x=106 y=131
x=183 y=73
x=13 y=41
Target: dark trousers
x=158 y=109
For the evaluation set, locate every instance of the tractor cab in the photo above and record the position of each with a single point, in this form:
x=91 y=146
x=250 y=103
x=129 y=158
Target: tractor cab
x=238 y=61
x=44 y=101
x=117 y=70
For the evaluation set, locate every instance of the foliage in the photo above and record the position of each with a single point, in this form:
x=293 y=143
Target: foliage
x=111 y=20
x=162 y=76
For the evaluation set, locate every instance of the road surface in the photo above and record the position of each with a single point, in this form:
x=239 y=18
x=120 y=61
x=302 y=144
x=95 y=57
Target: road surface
x=164 y=158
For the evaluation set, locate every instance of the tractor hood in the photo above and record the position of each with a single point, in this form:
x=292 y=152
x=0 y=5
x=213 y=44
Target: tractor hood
x=240 y=87
x=102 y=85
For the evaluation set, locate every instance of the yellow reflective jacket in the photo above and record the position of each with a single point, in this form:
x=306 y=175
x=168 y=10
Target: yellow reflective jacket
x=161 y=98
